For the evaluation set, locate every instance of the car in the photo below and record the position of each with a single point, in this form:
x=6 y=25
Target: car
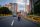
x=14 y=15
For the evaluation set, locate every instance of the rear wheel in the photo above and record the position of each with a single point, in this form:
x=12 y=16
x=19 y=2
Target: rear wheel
x=19 y=18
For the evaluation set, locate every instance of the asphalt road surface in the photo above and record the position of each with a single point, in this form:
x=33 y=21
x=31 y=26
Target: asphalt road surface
x=13 y=22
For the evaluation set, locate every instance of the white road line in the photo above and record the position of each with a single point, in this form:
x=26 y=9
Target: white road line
x=12 y=23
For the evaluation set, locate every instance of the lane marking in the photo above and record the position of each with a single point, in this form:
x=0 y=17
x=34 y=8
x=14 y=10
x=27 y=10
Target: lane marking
x=12 y=23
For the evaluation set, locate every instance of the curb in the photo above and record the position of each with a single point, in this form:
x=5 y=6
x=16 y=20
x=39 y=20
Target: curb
x=4 y=16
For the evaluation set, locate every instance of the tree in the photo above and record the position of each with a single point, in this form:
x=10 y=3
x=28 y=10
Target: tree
x=37 y=8
x=5 y=10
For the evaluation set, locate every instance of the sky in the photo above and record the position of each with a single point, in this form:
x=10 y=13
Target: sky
x=20 y=3
x=2 y=2
x=11 y=1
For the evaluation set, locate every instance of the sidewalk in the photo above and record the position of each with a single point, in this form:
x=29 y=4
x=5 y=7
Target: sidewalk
x=33 y=18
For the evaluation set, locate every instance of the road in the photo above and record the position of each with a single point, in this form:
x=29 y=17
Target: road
x=22 y=23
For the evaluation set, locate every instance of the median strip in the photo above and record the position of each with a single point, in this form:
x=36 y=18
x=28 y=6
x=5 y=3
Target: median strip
x=33 y=18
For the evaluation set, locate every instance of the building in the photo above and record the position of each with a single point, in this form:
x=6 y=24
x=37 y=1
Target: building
x=8 y=6
x=28 y=6
x=12 y=6
x=32 y=2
